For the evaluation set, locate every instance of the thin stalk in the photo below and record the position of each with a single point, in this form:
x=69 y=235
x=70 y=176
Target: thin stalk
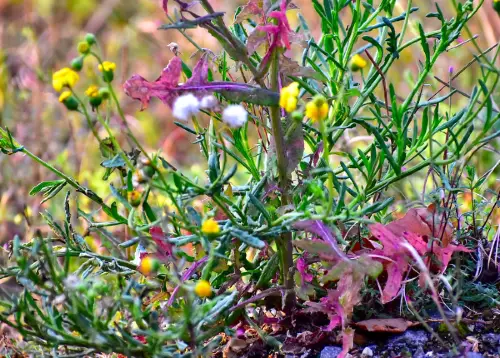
x=285 y=248
x=87 y=192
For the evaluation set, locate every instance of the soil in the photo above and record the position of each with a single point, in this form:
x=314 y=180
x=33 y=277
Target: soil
x=477 y=340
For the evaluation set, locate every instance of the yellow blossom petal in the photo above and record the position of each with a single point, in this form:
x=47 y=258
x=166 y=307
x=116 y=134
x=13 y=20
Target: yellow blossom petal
x=317 y=108
x=289 y=97
x=64 y=96
x=64 y=77
x=107 y=66
x=92 y=91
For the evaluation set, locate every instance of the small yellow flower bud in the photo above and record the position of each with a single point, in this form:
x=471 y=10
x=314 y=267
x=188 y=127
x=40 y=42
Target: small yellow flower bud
x=134 y=197
x=317 y=108
x=107 y=66
x=357 y=63
x=68 y=100
x=149 y=266
x=289 y=97
x=83 y=47
x=203 y=289
x=64 y=96
x=95 y=98
x=210 y=227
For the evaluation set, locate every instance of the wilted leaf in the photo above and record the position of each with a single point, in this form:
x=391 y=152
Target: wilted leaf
x=167 y=87
x=389 y=325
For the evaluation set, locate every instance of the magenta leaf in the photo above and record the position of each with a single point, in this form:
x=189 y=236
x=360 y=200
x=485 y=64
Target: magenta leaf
x=186 y=276
x=163 y=247
x=318 y=228
x=302 y=268
x=167 y=87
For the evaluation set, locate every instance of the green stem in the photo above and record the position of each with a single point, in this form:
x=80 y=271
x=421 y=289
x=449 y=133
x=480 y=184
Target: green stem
x=85 y=191
x=285 y=248
x=115 y=143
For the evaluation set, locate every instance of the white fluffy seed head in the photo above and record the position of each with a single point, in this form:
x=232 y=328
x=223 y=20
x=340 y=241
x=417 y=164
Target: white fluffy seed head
x=208 y=102
x=185 y=107
x=234 y=115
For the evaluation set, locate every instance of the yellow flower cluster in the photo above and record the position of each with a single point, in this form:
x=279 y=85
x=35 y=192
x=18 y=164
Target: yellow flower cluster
x=65 y=77
x=210 y=227
x=203 y=289
x=289 y=97
x=107 y=66
x=317 y=108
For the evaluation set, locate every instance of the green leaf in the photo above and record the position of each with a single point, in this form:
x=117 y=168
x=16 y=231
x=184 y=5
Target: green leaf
x=424 y=44
x=268 y=272
x=260 y=207
x=115 y=162
x=247 y=238
x=45 y=186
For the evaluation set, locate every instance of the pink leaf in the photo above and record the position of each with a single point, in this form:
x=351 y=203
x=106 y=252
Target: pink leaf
x=302 y=267
x=163 y=247
x=167 y=87
x=317 y=227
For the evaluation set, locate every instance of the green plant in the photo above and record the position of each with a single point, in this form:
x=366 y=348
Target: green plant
x=264 y=195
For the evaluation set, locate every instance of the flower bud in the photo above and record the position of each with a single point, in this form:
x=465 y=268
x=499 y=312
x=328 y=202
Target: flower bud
x=134 y=198
x=90 y=39
x=77 y=63
x=104 y=92
x=107 y=68
x=149 y=266
x=357 y=63
x=95 y=99
x=83 y=47
x=68 y=100
x=203 y=289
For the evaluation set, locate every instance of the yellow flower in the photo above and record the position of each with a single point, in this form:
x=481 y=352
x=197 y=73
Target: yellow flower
x=64 y=77
x=92 y=91
x=203 y=289
x=149 y=265
x=210 y=227
x=64 y=96
x=358 y=62
x=289 y=97
x=317 y=108
x=107 y=66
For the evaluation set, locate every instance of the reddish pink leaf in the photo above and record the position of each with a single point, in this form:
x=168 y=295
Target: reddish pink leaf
x=302 y=267
x=424 y=222
x=163 y=247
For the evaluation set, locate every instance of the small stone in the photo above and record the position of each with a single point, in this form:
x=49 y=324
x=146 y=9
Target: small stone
x=367 y=352
x=330 y=352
